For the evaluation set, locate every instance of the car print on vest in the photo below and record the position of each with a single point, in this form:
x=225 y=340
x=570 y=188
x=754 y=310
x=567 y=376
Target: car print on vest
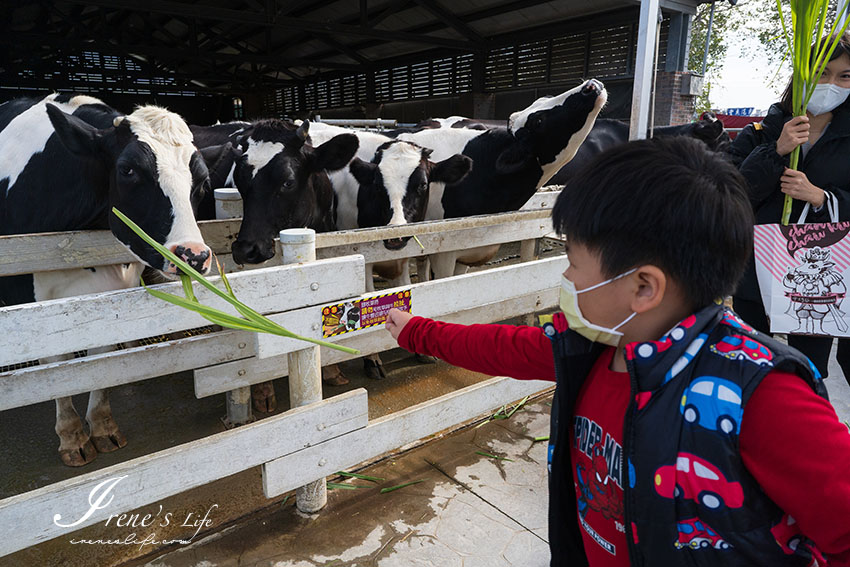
x=713 y=403
x=696 y=479
x=696 y=534
x=739 y=347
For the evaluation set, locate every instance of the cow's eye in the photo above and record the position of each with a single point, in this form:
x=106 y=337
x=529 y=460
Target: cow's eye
x=288 y=184
x=126 y=170
x=423 y=185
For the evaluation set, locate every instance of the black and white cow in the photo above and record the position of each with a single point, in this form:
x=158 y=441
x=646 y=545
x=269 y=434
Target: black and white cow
x=216 y=145
x=387 y=184
x=607 y=134
x=510 y=163
x=65 y=161
x=284 y=183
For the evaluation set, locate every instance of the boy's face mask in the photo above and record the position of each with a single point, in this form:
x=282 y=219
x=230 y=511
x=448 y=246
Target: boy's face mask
x=578 y=323
x=826 y=98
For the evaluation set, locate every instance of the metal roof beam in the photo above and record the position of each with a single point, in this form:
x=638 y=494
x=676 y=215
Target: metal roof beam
x=450 y=20
x=171 y=53
x=287 y=23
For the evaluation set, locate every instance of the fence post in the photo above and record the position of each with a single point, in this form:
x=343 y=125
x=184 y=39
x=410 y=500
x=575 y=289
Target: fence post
x=228 y=205
x=529 y=250
x=305 y=368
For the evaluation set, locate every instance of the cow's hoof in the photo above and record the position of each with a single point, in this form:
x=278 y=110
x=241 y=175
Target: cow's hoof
x=334 y=378
x=424 y=359
x=374 y=369
x=263 y=397
x=79 y=456
x=109 y=443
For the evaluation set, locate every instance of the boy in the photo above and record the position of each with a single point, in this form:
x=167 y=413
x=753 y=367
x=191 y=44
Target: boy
x=651 y=463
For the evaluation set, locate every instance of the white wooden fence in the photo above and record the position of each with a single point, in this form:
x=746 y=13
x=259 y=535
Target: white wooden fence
x=300 y=446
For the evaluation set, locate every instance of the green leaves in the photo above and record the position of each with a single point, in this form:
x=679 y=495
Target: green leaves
x=810 y=49
x=250 y=320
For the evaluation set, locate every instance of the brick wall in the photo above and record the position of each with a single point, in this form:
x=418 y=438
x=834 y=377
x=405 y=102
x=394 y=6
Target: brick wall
x=672 y=107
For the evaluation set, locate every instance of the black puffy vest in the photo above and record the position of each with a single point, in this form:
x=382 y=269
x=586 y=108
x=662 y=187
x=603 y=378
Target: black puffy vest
x=689 y=500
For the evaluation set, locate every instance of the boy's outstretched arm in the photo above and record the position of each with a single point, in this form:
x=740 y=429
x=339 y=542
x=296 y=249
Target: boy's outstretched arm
x=498 y=350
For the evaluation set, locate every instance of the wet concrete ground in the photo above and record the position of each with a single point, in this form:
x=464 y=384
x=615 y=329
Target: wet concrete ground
x=466 y=510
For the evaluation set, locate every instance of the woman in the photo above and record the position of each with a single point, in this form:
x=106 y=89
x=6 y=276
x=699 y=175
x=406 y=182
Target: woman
x=762 y=151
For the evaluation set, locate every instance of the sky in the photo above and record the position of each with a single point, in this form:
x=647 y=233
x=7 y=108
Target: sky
x=744 y=79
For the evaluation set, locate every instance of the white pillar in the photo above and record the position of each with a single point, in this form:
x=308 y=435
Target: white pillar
x=228 y=205
x=644 y=69
x=305 y=367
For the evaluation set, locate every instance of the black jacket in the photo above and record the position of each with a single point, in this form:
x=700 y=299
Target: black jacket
x=734 y=510
x=827 y=165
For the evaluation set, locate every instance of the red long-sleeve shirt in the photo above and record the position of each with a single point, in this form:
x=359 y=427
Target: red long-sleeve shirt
x=791 y=440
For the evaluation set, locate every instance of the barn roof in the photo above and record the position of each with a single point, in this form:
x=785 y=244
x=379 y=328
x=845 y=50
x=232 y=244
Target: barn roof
x=234 y=45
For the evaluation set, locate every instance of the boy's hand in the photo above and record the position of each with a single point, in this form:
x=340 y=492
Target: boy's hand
x=396 y=320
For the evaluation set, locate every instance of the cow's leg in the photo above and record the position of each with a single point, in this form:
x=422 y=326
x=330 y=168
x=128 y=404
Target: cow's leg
x=332 y=375
x=75 y=447
x=460 y=269
x=423 y=269
x=105 y=434
x=263 y=397
x=374 y=367
x=403 y=277
x=104 y=431
x=443 y=264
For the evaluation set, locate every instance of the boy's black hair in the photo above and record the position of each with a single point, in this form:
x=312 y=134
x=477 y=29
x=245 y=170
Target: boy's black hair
x=669 y=202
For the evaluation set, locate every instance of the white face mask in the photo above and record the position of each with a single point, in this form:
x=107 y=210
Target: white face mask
x=578 y=323
x=826 y=98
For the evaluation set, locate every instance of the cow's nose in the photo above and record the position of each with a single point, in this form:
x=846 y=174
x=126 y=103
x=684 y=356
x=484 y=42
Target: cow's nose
x=396 y=243
x=592 y=88
x=196 y=254
x=246 y=252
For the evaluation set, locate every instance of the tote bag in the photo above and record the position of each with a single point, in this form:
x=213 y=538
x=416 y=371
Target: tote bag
x=802 y=271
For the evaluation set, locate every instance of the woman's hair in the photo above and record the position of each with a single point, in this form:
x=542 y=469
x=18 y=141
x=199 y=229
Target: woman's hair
x=842 y=47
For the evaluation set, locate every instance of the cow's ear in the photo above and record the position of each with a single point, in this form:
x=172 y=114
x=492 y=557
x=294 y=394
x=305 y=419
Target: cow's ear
x=335 y=153
x=514 y=159
x=363 y=171
x=79 y=137
x=451 y=170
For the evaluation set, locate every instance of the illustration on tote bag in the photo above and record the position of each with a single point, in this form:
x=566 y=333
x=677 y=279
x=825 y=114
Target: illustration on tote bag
x=801 y=270
x=816 y=292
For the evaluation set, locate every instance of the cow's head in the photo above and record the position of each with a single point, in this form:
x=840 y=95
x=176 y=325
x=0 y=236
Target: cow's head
x=394 y=187
x=710 y=130
x=279 y=177
x=551 y=130
x=154 y=174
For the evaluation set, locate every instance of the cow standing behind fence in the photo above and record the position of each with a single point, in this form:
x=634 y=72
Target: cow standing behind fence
x=65 y=161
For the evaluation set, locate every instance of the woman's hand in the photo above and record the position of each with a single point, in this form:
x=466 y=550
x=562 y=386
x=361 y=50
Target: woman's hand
x=794 y=133
x=796 y=184
x=396 y=320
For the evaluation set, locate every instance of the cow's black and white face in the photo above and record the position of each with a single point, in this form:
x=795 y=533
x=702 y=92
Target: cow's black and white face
x=394 y=188
x=553 y=128
x=154 y=171
x=280 y=178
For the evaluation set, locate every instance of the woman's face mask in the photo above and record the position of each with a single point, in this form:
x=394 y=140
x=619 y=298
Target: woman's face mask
x=580 y=324
x=826 y=98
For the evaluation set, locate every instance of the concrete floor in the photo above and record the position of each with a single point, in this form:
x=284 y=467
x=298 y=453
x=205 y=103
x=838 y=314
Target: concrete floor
x=467 y=510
